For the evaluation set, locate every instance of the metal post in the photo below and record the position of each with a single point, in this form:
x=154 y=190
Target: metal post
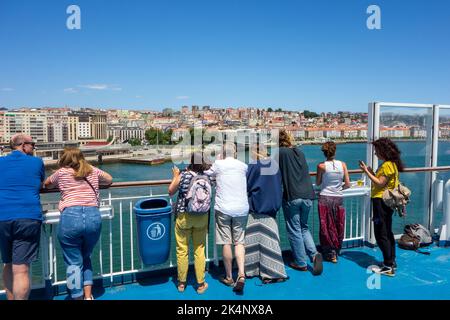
x=444 y=239
x=433 y=163
x=373 y=132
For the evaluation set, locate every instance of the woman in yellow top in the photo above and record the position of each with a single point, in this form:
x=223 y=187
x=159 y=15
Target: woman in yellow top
x=386 y=177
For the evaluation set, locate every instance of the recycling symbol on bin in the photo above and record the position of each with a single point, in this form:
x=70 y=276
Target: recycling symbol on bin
x=156 y=231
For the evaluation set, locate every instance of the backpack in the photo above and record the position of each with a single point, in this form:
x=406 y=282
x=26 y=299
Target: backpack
x=198 y=196
x=415 y=236
x=397 y=198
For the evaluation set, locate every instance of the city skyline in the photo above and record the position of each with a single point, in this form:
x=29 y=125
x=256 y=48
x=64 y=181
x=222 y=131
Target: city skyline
x=292 y=55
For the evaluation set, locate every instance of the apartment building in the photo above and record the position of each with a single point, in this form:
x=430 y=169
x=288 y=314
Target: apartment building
x=33 y=123
x=86 y=125
x=57 y=129
x=122 y=134
x=2 y=127
x=401 y=132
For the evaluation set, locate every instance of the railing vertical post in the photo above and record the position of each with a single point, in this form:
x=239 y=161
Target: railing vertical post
x=373 y=133
x=111 y=269
x=131 y=236
x=369 y=235
x=55 y=262
x=121 y=236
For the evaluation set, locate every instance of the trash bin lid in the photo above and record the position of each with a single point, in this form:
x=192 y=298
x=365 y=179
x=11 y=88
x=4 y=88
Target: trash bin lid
x=152 y=206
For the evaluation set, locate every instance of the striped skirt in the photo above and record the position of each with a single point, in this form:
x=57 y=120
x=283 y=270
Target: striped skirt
x=262 y=248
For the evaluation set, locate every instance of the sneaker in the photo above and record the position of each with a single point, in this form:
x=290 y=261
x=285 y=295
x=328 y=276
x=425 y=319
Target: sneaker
x=394 y=265
x=202 y=288
x=388 y=271
x=318 y=265
x=91 y=298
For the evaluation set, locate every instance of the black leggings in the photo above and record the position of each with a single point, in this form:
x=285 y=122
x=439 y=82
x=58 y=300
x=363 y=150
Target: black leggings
x=382 y=221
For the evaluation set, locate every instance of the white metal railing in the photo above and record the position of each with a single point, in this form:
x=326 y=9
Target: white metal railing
x=116 y=253
x=121 y=254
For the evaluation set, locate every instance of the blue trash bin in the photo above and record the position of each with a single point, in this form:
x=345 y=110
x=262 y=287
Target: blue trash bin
x=153 y=218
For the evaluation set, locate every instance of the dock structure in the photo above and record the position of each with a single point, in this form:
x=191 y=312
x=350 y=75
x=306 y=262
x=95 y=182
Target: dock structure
x=149 y=160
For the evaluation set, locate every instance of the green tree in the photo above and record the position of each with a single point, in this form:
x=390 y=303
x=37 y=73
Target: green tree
x=310 y=114
x=269 y=109
x=157 y=136
x=134 y=142
x=279 y=110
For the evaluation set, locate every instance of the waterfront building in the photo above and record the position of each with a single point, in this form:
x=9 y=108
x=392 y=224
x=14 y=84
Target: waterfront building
x=121 y=134
x=87 y=125
x=313 y=133
x=331 y=133
x=397 y=132
x=33 y=123
x=57 y=130
x=2 y=127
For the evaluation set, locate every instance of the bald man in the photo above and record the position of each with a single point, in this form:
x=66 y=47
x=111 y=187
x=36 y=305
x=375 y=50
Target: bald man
x=20 y=214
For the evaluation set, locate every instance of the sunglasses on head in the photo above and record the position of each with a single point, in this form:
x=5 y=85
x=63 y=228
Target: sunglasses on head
x=31 y=143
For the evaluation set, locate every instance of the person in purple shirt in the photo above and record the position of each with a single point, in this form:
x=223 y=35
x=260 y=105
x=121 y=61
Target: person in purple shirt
x=20 y=214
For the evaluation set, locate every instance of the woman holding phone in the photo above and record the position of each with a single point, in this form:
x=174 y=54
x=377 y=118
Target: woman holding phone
x=386 y=177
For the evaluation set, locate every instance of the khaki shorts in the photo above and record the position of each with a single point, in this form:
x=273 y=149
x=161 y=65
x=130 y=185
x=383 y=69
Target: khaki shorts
x=230 y=230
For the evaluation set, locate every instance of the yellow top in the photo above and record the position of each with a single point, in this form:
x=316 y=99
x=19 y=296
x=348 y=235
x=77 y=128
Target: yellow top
x=389 y=170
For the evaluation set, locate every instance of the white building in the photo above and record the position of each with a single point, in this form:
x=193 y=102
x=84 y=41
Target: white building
x=126 y=133
x=32 y=123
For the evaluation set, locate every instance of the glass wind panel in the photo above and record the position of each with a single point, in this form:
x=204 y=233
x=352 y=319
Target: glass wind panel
x=409 y=128
x=444 y=137
x=443 y=153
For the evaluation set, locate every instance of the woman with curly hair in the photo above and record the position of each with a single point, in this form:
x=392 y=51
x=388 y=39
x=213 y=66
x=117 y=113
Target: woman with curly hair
x=386 y=177
x=332 y=177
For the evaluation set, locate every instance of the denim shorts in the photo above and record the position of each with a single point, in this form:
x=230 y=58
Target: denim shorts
x=19 y=240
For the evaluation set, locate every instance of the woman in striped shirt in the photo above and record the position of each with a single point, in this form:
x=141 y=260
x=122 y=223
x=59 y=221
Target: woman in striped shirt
x=80 y=224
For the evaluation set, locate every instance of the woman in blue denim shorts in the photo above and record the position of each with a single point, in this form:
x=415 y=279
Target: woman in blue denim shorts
x=80 y=225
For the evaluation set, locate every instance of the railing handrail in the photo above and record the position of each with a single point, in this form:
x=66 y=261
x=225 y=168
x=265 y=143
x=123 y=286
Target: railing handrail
x=149 y=183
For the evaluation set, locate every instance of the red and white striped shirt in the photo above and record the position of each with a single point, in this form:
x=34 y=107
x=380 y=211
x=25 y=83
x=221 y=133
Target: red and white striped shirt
x=76 y=192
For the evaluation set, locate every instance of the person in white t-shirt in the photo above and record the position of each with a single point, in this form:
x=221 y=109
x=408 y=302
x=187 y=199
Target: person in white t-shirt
x=231 y=212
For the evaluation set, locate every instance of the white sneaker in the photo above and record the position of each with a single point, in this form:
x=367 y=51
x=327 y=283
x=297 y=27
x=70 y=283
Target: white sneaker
x=91 y=298
x=376 y=269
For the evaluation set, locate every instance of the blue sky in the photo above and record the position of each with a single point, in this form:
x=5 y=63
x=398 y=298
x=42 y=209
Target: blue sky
x=316 y=55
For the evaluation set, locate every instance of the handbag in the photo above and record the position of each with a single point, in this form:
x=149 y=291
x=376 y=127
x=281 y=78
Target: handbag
x=397 y=198
x=106 y=211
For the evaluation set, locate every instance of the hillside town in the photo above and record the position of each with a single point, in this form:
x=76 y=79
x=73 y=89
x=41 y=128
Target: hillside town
x=51 y=127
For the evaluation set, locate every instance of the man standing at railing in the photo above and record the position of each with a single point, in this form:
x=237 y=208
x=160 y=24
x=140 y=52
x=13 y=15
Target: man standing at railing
x=20 y=214
x=231 y=212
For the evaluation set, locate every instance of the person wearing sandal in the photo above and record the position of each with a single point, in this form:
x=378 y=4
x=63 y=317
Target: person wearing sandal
x=189 y=224
x=332 y=177
x=298 y=195
x=263 y=257
x=231 y=211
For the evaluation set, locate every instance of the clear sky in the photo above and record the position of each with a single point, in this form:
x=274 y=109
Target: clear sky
x=317 y=55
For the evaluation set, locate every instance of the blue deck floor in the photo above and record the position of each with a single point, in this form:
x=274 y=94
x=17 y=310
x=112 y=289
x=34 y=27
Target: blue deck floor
x=418 y=277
